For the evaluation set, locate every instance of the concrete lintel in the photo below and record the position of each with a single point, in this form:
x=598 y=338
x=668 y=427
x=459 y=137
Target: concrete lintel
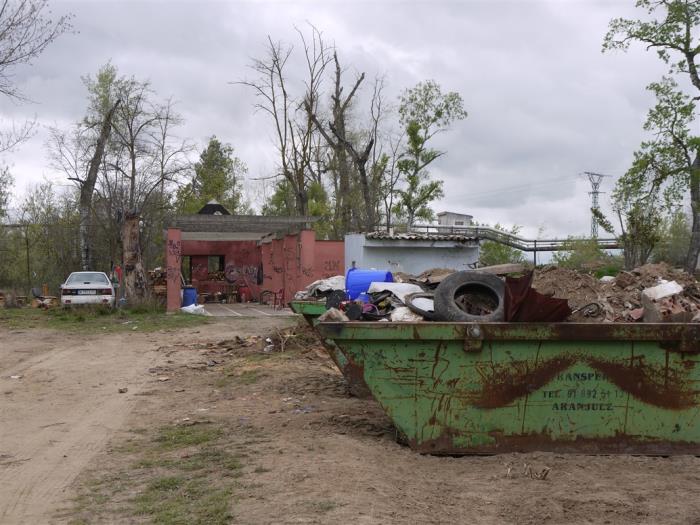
x=221 y=236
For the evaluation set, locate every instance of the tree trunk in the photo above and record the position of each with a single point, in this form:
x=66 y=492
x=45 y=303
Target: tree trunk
x=134 y=274
x=303 y=203
x=370 y=220
x=87 y=188
x=691 y=264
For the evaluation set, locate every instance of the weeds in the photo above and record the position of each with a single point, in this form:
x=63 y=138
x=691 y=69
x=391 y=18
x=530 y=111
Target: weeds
x=176 y=436
x=97 y=319
x=181 y=475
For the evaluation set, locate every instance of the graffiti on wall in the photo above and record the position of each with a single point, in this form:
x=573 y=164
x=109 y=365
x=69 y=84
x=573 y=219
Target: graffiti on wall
x=241 y=274
x=174 y=259
x=175 y=249
x=332 y=266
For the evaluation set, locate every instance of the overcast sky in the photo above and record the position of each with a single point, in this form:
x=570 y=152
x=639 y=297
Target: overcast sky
x=544 y=103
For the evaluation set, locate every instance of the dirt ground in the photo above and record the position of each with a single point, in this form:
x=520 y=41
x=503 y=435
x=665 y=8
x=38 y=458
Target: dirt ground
x=289 y=444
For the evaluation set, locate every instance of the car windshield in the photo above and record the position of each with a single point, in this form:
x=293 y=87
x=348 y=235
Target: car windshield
x=87 y=278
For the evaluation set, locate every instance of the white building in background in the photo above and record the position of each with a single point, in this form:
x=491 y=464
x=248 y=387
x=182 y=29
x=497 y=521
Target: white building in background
x=410 y=252
x=454 y=220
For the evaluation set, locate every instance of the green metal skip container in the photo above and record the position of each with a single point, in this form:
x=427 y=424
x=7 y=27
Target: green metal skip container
x=485 y=388
x=311 y=311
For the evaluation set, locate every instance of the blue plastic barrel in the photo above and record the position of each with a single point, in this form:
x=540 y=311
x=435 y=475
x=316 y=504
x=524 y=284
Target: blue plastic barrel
x=189 y=296
x=357 y=281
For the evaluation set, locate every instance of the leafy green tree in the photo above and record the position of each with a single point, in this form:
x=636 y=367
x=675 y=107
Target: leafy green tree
x=491 y=253
x=584 y=254
x=217 y=176
x=671 y=29
x=282 y=203
x=675 y=238
x=424 y=111
x=638 y=207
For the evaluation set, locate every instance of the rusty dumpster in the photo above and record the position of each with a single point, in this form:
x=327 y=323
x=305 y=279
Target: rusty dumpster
x=311 y=311
x=484 y=388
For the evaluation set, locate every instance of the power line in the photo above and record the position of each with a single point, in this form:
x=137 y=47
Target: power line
x=506 y=189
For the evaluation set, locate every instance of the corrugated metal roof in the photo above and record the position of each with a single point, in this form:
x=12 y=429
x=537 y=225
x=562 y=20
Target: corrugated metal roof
x=416 y=236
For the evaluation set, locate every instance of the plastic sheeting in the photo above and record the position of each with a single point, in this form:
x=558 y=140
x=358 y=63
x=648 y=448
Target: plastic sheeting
x=400 y=290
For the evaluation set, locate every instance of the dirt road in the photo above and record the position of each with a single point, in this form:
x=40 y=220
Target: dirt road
x=63 y=405
x=279 y=438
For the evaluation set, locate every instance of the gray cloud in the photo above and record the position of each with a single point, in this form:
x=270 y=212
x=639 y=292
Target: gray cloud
x=544 y=103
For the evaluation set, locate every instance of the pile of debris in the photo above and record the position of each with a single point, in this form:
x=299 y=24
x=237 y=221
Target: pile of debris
x=321 y=288
x=643 y=294
x=650 y=293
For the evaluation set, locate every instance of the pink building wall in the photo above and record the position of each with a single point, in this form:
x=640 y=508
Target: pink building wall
x=295 y=261
x=290 y=263
x=242 y=264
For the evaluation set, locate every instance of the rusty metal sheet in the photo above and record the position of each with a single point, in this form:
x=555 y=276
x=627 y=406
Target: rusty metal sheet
x=585 y=388
x=353 y=374
x=526 y=305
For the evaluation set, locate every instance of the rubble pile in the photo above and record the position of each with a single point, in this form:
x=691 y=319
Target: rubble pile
x=620 y=299
x=651 y=293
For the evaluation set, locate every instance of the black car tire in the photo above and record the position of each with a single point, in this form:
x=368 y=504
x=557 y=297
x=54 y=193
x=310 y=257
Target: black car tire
x=456 y=284
x=408 y=301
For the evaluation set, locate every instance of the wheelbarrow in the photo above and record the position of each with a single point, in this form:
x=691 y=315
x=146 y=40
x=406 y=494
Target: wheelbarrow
x=311 y=311
x=485 y=388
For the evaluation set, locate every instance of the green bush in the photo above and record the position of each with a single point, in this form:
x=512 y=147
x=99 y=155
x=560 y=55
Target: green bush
x=585 y=255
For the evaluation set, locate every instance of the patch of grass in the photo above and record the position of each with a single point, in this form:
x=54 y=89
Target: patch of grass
x=174 y=500
x=97 y=319
x=163 y=486
x=247 y=377
x=177 y=436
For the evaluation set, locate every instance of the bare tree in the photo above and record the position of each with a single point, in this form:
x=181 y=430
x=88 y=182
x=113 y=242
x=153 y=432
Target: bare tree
x=294 y=128
x=129 y=166
x=342 y=143
x=87 y=188
x=391 y=177
x=26 y=29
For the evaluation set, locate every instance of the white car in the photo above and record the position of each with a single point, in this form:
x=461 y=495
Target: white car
x=87 y=288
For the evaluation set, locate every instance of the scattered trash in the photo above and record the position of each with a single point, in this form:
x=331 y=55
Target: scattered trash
x=321 y=288
x=333 y=315
x=403 y=313
x=650 y=293
x=163 y=378
x=196 y=309
x=422 y=303
x=664 y=303
x=15 y=377
x=123 y=390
